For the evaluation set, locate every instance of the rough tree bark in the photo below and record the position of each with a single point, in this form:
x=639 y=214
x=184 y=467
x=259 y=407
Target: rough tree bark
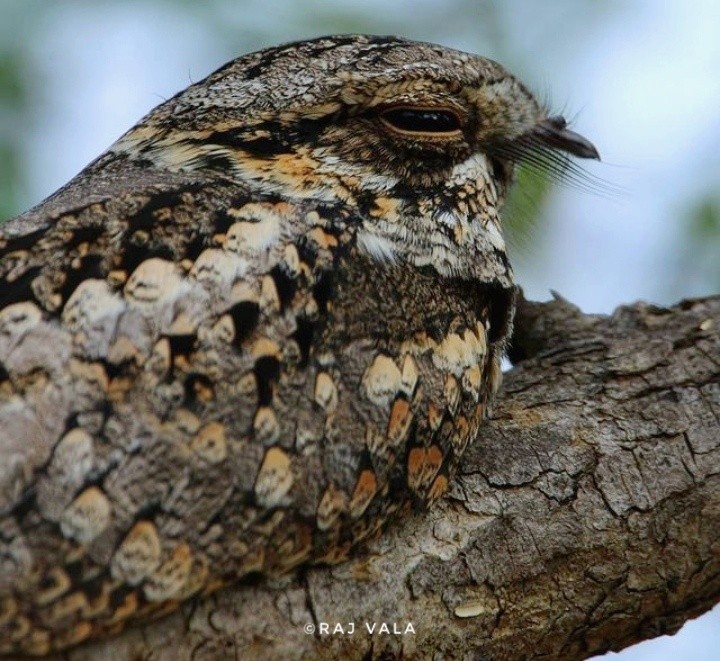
x=587 y=517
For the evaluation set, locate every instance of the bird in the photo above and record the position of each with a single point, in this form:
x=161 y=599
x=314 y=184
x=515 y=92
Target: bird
x=262 y=325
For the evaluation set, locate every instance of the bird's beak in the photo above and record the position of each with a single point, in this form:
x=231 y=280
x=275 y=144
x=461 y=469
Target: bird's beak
x=553 y=132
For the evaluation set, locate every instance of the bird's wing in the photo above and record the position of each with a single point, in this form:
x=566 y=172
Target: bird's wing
x=197 y=383
x=144 y=331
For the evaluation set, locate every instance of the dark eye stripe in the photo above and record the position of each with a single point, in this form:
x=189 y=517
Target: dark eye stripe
x=422 y=120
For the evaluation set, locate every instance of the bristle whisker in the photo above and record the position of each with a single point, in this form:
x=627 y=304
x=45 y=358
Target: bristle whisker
x=558 y=166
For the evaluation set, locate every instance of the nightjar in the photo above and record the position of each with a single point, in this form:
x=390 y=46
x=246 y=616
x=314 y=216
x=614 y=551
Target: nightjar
x=265 y=322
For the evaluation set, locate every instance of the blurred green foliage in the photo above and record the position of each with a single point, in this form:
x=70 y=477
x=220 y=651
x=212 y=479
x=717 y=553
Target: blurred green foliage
x=705 y=221
x=14 y=101
x=701 y=254
x=527 y=198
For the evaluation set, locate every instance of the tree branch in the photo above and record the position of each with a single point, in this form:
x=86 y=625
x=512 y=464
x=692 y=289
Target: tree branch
x=587 y=517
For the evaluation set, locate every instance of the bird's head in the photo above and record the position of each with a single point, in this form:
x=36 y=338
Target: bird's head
x=419 y=142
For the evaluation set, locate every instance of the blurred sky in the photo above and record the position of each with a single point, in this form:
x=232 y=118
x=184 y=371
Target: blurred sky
x=640 y=78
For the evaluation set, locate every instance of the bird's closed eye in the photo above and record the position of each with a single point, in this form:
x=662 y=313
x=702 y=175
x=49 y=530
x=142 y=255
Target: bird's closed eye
x=422 y=122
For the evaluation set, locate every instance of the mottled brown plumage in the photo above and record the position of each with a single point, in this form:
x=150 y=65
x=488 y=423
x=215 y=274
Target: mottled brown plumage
x=264 y=322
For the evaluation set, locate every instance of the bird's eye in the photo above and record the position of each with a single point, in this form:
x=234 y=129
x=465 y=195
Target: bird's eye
x=440 y=122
